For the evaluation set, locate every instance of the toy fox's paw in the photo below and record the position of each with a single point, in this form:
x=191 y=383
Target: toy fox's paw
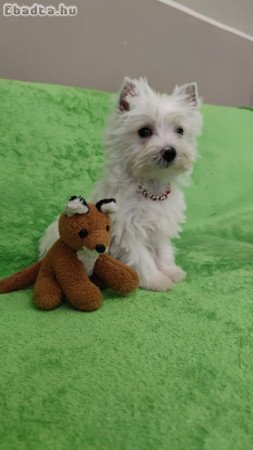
x=116 y=275
x=128 y=279
x=47 y=293
x=88 y=299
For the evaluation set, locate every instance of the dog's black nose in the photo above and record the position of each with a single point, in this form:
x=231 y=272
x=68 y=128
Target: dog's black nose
x=169 y=154
x=100 y=248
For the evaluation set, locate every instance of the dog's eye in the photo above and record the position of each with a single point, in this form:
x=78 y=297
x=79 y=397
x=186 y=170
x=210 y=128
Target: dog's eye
x=107 y=227
x=145 y=132
x=180 y=131
x=83 y=233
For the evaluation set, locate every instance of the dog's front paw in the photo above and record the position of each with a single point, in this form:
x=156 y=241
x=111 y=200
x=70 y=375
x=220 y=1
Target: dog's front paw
x=160 y=282
x=175 y=273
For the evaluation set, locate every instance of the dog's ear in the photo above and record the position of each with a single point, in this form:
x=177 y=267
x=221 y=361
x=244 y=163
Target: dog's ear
x=127 y=91
x=107 y=205
x=76 y=205
x=189 y=93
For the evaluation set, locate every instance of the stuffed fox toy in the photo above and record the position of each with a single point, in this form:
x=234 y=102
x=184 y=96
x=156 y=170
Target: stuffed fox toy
x=78 y=264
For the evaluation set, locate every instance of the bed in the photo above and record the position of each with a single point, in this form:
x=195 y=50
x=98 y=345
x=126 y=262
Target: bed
x=150 y=371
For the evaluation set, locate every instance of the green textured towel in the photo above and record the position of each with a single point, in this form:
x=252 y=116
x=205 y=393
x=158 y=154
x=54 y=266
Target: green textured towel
x=156 y=370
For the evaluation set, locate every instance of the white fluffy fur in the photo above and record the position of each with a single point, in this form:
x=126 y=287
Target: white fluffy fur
x=88 y=258
x=143 y=229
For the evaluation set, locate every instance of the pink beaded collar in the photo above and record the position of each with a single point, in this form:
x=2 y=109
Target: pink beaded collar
x=153 y=197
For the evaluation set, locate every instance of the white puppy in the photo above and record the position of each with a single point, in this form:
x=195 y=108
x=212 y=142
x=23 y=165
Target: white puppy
x=150 y=147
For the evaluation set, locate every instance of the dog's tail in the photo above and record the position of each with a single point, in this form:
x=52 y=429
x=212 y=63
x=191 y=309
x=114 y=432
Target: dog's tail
x=21 y=279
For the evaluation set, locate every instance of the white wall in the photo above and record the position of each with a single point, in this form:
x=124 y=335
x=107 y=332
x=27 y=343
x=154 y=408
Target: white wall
x=109 y=39
x=235 y=13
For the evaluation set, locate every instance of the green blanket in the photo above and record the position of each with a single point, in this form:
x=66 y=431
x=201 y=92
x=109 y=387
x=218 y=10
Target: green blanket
x=154 y=371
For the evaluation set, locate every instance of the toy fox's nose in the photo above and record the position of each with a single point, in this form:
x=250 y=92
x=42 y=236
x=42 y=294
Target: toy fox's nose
x=100 y=248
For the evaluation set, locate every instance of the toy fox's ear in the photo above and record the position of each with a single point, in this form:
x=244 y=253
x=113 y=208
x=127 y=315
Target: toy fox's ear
x=107 y=205
x=76 y=205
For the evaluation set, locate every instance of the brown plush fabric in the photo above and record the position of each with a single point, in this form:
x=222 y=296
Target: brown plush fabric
x=61 y=273
x=115 y=274
x=21 y=279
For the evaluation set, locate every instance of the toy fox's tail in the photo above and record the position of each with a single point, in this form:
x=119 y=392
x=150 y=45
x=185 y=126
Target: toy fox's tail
x=21 y=279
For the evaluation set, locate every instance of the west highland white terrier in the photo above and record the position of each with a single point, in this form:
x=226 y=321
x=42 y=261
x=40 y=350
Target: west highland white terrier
x=150 y=147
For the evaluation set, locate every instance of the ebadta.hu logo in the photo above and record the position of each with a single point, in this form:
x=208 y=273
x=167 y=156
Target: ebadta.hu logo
x=15 y=10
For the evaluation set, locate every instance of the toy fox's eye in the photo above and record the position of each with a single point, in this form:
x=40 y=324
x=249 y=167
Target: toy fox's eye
x=107 y=227
x=83 y=233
